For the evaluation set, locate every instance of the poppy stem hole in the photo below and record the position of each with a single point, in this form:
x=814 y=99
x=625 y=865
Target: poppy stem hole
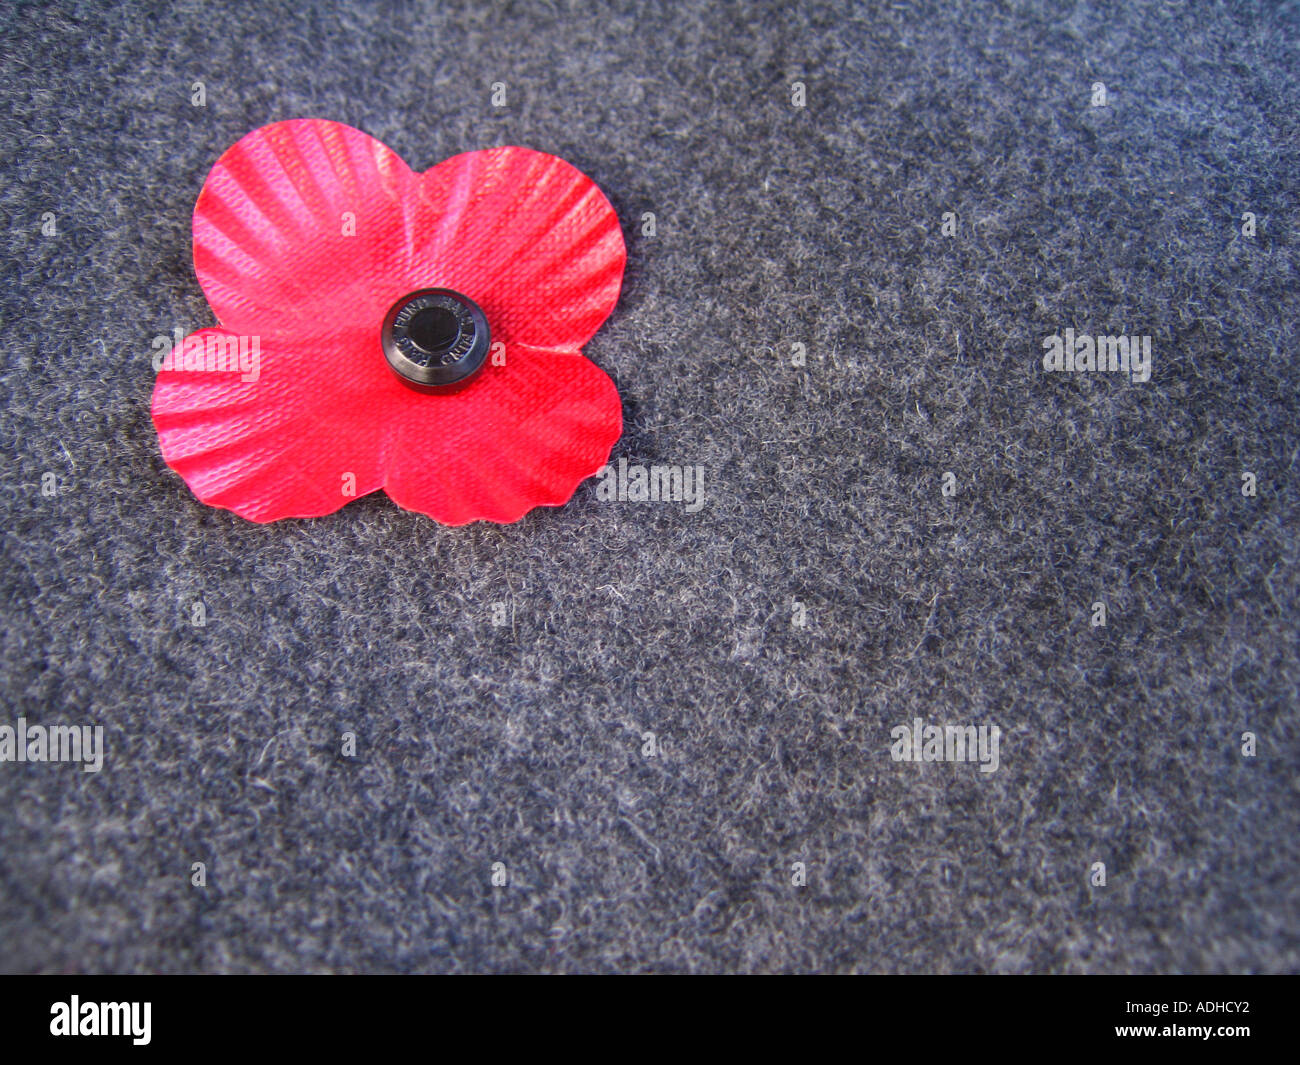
x=433 y=329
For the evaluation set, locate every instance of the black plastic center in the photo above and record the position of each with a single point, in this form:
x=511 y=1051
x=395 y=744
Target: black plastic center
x=433 y=329
x=435 y=339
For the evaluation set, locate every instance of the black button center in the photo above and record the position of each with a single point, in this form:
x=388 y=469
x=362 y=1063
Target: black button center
x=434 y=329
x=435 y=339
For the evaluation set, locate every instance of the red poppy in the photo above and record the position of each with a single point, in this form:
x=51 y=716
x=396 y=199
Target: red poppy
x=305 y=234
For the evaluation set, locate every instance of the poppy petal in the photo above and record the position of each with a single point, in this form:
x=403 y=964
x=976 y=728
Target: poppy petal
x=526 y=235
x=297 y=433
x=524 y=435
x=301 y=430
x=302 y=225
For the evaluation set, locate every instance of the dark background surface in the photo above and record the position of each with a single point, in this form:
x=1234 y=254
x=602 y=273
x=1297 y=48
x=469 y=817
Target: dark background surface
x=522 y=744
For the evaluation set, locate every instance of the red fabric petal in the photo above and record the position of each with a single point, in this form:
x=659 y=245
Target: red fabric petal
x=307 y=225
x=318 y=424
x=305 y=233
x=526 y=435
x=302 y=228
x=280 y=445
x=527 y=236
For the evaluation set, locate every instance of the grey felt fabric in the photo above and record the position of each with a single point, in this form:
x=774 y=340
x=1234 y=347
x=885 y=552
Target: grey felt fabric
x=524 y=743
